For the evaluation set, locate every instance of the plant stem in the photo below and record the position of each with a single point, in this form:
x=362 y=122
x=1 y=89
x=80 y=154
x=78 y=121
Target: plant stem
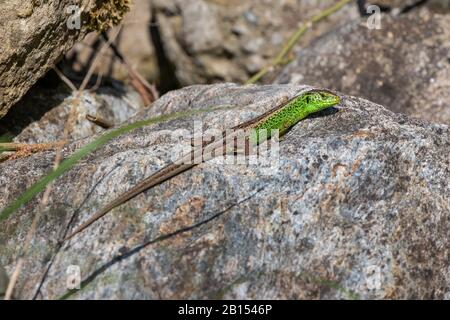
x=280 y=58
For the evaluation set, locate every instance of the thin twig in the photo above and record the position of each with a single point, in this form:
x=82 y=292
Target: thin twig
x=138 y=81
x=65 y=79
x=280 y=58
x=28 y=239
x=98 y=82
x=12 y=146
x=97 y=59
x=105 y=124
x=22 y=150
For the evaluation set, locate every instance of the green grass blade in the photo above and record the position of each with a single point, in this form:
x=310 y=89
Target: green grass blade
x=67 y=164
x=5 y=138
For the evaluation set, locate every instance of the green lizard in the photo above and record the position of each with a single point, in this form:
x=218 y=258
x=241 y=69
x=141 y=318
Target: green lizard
x=281 y=118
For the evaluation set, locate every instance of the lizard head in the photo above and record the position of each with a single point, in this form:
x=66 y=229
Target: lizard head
x=318 y=100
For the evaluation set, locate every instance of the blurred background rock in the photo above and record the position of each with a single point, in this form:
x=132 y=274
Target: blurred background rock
x=133 y=41
x=182 y=42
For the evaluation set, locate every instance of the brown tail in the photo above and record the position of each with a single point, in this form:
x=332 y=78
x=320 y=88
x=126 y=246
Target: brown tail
x=149 y=182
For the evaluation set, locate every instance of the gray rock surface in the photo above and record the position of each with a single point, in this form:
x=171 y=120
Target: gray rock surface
x=40 y=116
x=35 y=35
x=405 y=66
x=229 y=40
x=358 y=208
x=104 y=103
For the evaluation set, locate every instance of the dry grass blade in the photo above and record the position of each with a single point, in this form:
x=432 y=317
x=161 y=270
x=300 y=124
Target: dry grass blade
x=147 y=91
x=22 y=150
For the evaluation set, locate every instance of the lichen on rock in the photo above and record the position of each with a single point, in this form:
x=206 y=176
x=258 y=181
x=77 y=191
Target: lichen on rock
x=107 y=13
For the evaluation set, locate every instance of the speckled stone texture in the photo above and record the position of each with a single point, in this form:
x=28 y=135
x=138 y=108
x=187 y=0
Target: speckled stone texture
x=358 y=208
x=41 y=115
x=114 y=104
x=34 y=35
x=405 y=66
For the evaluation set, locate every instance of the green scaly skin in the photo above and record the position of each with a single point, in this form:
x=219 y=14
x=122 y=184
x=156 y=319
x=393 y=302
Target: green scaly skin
x=295 y=110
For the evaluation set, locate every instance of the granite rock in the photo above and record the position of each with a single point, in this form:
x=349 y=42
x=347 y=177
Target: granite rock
x=357 y=207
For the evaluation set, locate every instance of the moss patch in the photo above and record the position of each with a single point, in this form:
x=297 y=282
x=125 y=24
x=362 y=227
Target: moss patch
x=107 y=13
